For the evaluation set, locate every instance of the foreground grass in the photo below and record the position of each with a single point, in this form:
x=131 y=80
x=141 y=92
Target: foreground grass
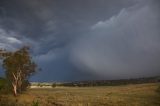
x=127 y=95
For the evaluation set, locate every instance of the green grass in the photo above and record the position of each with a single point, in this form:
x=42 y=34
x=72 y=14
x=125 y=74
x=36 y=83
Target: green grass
x=126 y=95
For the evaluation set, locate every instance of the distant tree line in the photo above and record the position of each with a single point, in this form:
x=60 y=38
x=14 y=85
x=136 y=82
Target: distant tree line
x=111 y=82
x=99 y=82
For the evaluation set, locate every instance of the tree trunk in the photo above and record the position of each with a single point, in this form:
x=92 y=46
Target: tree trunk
x=15 y=84
x=15 y=90
x=19 y=85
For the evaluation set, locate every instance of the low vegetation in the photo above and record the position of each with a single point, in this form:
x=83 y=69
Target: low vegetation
x=4 y=86
x=124 y=95
x=2 y=83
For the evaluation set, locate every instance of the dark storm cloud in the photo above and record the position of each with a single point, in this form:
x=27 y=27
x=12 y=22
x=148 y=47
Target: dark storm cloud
x=125 y=46
x=52 y=27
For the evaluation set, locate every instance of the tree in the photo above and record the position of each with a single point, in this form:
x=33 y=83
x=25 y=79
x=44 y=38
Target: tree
x=18 y=67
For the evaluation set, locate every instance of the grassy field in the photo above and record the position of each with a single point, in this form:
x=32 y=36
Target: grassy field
x=126 y=95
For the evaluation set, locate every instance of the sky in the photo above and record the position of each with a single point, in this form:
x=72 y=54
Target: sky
x=74 y=40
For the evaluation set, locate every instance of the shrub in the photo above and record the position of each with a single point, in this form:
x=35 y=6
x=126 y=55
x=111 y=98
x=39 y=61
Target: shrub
x=5 y=87
x=35 y=103
x=25 y=85
x=54 y=85
x=2 y=83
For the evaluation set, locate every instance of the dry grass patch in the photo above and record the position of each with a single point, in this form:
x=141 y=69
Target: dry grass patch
x=127 y=95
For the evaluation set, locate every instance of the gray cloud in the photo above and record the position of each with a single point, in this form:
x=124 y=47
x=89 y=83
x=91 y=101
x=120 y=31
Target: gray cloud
x=72 y=40
x=124 y=46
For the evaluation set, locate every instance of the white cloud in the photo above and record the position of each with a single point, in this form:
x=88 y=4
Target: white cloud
x=8 y=40
x=13 y=40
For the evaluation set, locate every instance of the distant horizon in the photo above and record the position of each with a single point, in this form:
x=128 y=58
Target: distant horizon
x=99 y=79
x=60 y=81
